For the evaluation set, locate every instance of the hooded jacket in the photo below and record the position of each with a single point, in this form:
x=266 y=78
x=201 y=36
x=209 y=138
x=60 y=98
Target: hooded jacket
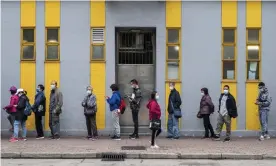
x=13 y=101
x=154 y=109
x=114 y=101
x=264 y=99
x=40 y=101
x=19 y=115
x=205 y=104
x=230 y=105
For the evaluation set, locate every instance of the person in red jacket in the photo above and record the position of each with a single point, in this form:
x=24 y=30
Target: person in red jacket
x=10 y=109
x=154 y=113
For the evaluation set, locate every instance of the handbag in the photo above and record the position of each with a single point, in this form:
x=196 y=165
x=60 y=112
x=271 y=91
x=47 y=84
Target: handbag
x=155 y=124
x=176 y=111
x=199 y=116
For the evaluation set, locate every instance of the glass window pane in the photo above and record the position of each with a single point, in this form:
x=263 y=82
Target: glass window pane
x=253 y=52
x=52 y=52
x=229 y=70
x=52 y=35
x=28 y=35
x=97 y=52
x=173 y=52
x=228 y=52
x=228 y=35
x=253 y=36
x=28 y=52
x=173 y=69
x=173 y=35
x=252 y=70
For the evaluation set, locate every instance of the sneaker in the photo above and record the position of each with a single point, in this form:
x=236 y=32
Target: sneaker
x=117 y=138
x=23 y=139
x=216 y=137
x=134 y=136
x=175 y=138
x=154 y=147
x=227 y=139
x=57 y=137
x=261 y=138
x=51 y=137
x=169 y=137
x=266 y=136
x=113 y=137
x=13 y=140
x=88 y=137
x=39 y=137
x=93 y=139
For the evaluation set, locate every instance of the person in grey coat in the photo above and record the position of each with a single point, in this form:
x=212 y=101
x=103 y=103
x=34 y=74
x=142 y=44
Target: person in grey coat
x=56 y=102
x=89 y=104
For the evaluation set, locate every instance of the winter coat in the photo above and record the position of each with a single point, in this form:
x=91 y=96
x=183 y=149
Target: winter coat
x=21 y=105
x=13 y=101
x=39 y=105
x=135 y=103
x=56 y=101
x=89 y=104
x=174 y=99
x=264 y=100
x=154 y=109
x=230 y=105
x=114 y=101
x=205 y=104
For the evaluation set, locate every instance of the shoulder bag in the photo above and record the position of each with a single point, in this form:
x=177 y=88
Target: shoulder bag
x=176 y=111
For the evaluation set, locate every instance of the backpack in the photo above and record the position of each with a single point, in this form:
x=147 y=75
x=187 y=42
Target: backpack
x=212 y=109
x=122 y=106
x=28 y=109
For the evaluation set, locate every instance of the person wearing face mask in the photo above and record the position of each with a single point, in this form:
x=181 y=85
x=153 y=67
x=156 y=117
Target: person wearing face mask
x=263 y=101
x=20 y=117
x=39 y=110
x=174 y=102
x=135 y=101
x=56 y=102
x=227 y=110
x=90 y=109
x=206 y=108
x=11 y=109
x=154 y=114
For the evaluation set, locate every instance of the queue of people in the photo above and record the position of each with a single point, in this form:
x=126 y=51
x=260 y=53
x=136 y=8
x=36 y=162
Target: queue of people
x=19 y=107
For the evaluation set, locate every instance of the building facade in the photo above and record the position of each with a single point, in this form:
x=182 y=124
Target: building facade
x=195 y=44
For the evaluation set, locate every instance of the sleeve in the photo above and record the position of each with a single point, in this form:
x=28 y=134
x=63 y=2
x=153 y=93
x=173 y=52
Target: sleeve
x=12 y=103
x=112 y=100
x=60 y=100
x=21 y=103
x=178 y=100
x=38 y=100
x=91 y=102
x=209 y=101
x=83 y=103
x=266 y=102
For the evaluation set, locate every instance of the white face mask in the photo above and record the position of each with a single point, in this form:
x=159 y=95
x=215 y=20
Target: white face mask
x=20 y=94
x=225 y=91
x=89 y=92
x=202 y=94
x=157 y=97
x=53 y=87
x=171 y=87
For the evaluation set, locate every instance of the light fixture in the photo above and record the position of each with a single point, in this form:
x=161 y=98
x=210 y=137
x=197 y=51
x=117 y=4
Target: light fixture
x=253 y=47
x=176 y=48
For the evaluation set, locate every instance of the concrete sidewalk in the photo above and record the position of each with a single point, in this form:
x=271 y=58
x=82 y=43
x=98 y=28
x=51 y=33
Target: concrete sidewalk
x=184 y=148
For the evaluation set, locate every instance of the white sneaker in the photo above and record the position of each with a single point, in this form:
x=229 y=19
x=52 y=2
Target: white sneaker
x=156 y=146
x=261 y=138
x=266 y=136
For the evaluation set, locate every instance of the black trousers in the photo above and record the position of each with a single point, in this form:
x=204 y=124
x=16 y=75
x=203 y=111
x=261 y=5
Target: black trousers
x=154 y=134
x=207 y=125
x=39 y=126
x=91 y=125
x=11 y=119
x=135 y=121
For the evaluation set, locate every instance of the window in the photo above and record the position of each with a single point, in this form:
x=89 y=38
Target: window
x=97 y=44
x=28 y=44
x=253 y=50
x=173 y=54
x=52 y=44
x=229 y=54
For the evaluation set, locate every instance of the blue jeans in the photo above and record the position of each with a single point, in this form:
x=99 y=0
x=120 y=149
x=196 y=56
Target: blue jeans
x=263 y=115
x=173 y=129
x=17 y=124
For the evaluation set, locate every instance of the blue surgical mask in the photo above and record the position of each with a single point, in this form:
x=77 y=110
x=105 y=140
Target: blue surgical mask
x=37 y=90
x=225 y=91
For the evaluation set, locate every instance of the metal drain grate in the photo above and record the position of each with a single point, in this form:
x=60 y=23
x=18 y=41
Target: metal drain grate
x=113 y=156
x=133 y=148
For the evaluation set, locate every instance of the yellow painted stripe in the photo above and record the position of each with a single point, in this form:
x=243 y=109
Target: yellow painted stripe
x=229 y=13
x=98 y=83
x=28 y=69
x=254 y=14
x=97 y=11
x=52 y=69
x=173 y=13
x=233 y=91
x=28 y=13
x=52 y=13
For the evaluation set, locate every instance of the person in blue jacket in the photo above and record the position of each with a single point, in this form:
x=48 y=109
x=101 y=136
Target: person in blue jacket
x=114 y=104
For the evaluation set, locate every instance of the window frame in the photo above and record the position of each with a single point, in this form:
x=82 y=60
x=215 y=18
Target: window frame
x=97 y=44
x=259 y=44
x=177 y=44
x=52 y=44
x=22 y=44
x=229 y=60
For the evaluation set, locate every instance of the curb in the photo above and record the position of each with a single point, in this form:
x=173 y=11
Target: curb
x=131 y=155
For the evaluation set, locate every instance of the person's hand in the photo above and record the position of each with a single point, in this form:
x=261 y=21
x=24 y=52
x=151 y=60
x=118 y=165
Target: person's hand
x=15 y=105
x=106 y=97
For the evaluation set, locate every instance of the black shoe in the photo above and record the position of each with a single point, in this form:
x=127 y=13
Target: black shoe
x=216 y=137
x=39 y=137
x=57 y=137
x=169 y=137
x=226 y=139
x=205 y=137
x=175 y=137
x=51 y=137
x=117 y=138
x=134 y=136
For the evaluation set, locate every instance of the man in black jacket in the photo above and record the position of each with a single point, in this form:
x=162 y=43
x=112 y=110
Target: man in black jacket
x=227 y=110
x=174 y=102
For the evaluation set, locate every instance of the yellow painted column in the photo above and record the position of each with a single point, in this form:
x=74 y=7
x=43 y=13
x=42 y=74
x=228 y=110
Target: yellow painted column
x=253 y=23
x=229 y=12
x=52 y=65
x=173 y=60
x=97 y=57
x=28 y=59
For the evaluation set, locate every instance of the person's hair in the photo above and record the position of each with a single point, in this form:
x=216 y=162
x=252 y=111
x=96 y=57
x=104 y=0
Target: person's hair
x=172 y=83
x=55 y=82
x=134 y=81
x=24 y=92
x=89 y=87
x=227 y=86
x=153 y=94
x=41 y=87
x=261 y=84
x=205 y=90
x=114 y=87
x=13 y=92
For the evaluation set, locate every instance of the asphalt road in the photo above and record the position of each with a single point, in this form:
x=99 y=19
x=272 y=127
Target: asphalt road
x=88 y=162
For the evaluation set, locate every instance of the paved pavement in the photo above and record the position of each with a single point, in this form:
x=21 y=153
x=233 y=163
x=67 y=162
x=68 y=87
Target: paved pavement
x=184 y=148
x=134 y=162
